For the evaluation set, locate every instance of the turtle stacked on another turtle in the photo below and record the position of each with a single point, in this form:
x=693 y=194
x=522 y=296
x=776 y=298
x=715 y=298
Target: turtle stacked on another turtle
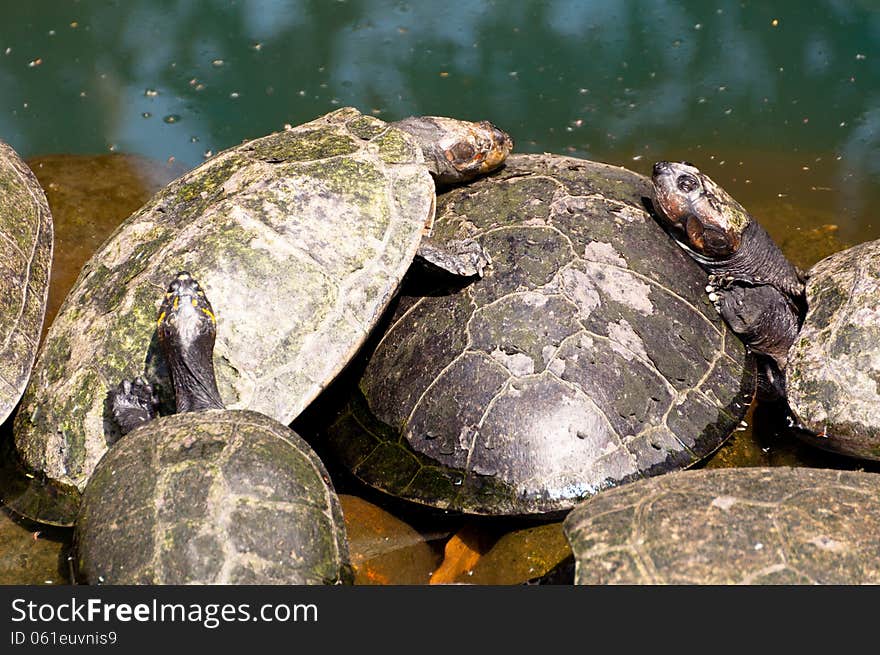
x=207 y=495
x=820 y=342
x=586 y=357
x=322 y=220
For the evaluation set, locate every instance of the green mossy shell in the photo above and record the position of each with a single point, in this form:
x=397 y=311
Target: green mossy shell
x=731 y=526
x=300 y=239
x=587 y=356
x=833 y=373
x=215 y=497
x=25 y=263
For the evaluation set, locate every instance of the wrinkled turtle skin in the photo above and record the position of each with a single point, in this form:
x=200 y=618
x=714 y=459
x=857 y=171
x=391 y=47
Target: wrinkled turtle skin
x=323 y=220
x=212 y=497
x=731 y=526
x=586 y=357
x=819 y=342
x=757 y=291
x=834 y=364
x=25 y=262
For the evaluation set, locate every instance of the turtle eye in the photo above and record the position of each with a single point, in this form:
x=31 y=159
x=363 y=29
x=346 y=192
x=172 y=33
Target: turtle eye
x=687 y=183
x=463 y=151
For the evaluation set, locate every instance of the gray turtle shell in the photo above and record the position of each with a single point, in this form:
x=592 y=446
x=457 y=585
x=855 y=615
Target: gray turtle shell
x=731 y=526
x=834 y=364
x=25 y=262
x=587 y=356
x=215 y=497
x=302 y=237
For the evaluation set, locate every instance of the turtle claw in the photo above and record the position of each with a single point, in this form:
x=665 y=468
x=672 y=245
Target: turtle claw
x=132 y=403
x=719 y=281
x=716 y=284
x=462 y=258
x=715 y=297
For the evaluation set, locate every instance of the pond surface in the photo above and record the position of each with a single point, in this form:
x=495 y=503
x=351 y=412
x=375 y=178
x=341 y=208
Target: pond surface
x=780 y=105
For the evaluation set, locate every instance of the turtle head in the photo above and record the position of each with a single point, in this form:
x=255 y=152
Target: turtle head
x=187 y=329
x=702 y=216
x=186 y=318
x=455 y=150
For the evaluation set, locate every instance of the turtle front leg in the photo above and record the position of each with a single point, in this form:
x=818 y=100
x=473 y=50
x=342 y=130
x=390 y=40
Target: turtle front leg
x=462 y=258
x=715 y=288
x=133 y=403
x=766 y=321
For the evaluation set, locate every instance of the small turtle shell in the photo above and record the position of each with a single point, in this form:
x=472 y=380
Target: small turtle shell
x=213 y=497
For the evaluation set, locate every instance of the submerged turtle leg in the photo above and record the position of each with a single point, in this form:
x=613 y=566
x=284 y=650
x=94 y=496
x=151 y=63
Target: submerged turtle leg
x=133 y=403
x=463 y=258
x=770 y=381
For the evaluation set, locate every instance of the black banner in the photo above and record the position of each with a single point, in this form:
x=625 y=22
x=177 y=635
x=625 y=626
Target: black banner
x=398 y=619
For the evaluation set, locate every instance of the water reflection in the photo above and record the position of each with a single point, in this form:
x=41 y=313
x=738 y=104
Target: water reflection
x=89 y=196
x=625 y=82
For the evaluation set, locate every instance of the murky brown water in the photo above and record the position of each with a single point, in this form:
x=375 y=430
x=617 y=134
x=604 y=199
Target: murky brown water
x=89 y=195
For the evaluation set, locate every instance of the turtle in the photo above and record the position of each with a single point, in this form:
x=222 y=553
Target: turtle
x=758 y=292
x=323 y=218
x=761 y=525
x=587 y=356
x=815 y=331
x=26 y=244
x=834 y=363
x=207 y=495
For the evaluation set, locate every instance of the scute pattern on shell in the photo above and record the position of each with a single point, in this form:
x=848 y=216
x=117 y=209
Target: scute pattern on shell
x=215 y=497
x=25 y=260
x=587 y=356
x=834 y=364
x=301 y=238
x=731 y=526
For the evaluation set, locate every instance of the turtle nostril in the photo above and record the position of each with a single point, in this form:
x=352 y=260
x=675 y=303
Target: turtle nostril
x=661 y=167
x=501 y=137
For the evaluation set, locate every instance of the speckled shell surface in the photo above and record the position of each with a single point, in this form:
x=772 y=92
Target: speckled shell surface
x=588 y=355
x=25 y=262
x=299 y=238
x=834 y=364
x=731 y=526
x=215 y=497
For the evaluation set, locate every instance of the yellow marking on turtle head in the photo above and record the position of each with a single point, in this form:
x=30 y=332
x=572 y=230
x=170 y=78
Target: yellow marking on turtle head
x=176 y=302
x=209 y=314
x=160 y=319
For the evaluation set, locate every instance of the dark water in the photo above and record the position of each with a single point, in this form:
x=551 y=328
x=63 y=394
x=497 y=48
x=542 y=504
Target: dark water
x=781 y=104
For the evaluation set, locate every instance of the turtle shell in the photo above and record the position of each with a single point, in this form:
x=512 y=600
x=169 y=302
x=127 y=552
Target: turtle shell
x=215 y=497
x=834 y=364
x=731 y=526
x=302 y=237
x=587 y=356
x=25 y=263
